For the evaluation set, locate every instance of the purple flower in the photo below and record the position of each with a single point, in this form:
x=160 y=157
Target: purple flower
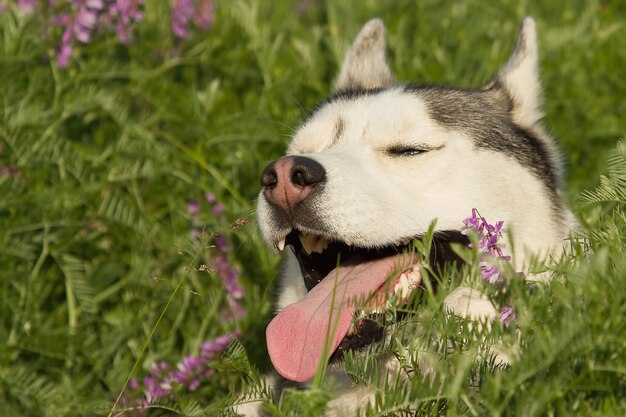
x=490 y=274
x=210 y=198
x=155 y=368
x=87 y=17
x=10 y=171
x=127 y=12
x=220 y=242
x=203 y=17
x=497 y=229
x=95 y=4
x=215 y=345
x=179 y=377
x=194 y=385
x=193 y=207
x=192 y=362
x=232 y=286
x=471 y=222
x=64 y=55
x=90 y=15
x=237 y=312
x=27 y=6
x=182 y=12
x=507 y=315
x=65 y=50
x=218 y=209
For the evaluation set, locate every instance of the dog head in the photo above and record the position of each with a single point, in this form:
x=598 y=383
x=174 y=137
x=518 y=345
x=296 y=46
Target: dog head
x=377 y=162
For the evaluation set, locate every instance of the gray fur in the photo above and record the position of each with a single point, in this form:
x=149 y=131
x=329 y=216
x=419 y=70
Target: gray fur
x=339 y=128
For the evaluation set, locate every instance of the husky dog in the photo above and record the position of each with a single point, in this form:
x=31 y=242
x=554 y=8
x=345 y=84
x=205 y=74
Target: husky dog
x=369 y=170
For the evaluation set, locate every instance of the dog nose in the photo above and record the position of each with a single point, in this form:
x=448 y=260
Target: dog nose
x=289 y=180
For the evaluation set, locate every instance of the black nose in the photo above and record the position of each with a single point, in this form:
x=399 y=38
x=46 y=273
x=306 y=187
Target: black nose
x=297 y=170
x=306 y=171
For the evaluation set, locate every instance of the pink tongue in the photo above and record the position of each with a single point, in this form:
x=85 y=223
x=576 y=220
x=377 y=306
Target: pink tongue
x=295 y=338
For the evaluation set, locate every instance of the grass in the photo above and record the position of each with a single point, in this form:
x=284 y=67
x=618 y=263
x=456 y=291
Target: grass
x=95 y=235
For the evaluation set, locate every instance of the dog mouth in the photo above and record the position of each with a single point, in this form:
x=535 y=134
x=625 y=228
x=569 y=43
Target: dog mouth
x=350 y=289
x=318 y=256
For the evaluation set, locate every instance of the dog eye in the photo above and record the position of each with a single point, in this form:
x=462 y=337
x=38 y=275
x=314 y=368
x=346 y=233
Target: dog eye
x=402 y=150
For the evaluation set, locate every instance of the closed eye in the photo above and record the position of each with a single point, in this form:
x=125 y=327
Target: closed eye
x=409 y=150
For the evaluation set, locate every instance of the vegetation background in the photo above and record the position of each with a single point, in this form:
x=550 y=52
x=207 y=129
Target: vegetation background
x=104 y=219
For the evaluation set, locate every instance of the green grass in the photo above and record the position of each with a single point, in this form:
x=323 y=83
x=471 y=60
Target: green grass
x=94 y=232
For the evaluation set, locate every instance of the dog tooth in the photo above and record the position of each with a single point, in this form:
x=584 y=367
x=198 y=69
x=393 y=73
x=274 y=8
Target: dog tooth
x=308 y=242
x=405 y=286
x=401 y=283
x=320 y=245
x=376 y=310
x=281 y=244
x=415 y=277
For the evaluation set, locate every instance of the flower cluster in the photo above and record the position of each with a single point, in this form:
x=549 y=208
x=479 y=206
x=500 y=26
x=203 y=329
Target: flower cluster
x=489 y=247
x=165 y=379
x=491 y=254
x=184 y=11
x=81 y=20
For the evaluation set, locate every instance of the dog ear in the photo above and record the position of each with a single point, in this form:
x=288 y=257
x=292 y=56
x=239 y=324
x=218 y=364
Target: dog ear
x=519 y=81
x=365 y=64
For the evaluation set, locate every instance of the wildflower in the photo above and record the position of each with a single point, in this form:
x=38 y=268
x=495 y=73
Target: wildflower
x=127 y=13
x=490 y=252
x=232 y=286
x=188 y=373
x=210 y=198
x=193 y=207
x=85 y=23
x=203 y=17
x=215 y=345
x=182 y=12
x=236 y=312
x=27 y=6
x=10 y=171
x=507 y=315
x=490 y=274
x=220 y=243
x=95 y=4
x=472 y=223
x=218 y=209
x=64 y=55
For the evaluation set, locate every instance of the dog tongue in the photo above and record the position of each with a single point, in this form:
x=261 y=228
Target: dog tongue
x=296 y=336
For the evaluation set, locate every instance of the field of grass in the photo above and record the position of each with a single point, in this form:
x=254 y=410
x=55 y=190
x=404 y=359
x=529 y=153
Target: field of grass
x=128 y=182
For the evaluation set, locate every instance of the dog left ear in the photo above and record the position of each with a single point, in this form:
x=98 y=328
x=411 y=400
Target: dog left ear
x=365 y=64
x=519 y=78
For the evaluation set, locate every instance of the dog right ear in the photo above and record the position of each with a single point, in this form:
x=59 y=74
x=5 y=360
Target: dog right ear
x=365 y=64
